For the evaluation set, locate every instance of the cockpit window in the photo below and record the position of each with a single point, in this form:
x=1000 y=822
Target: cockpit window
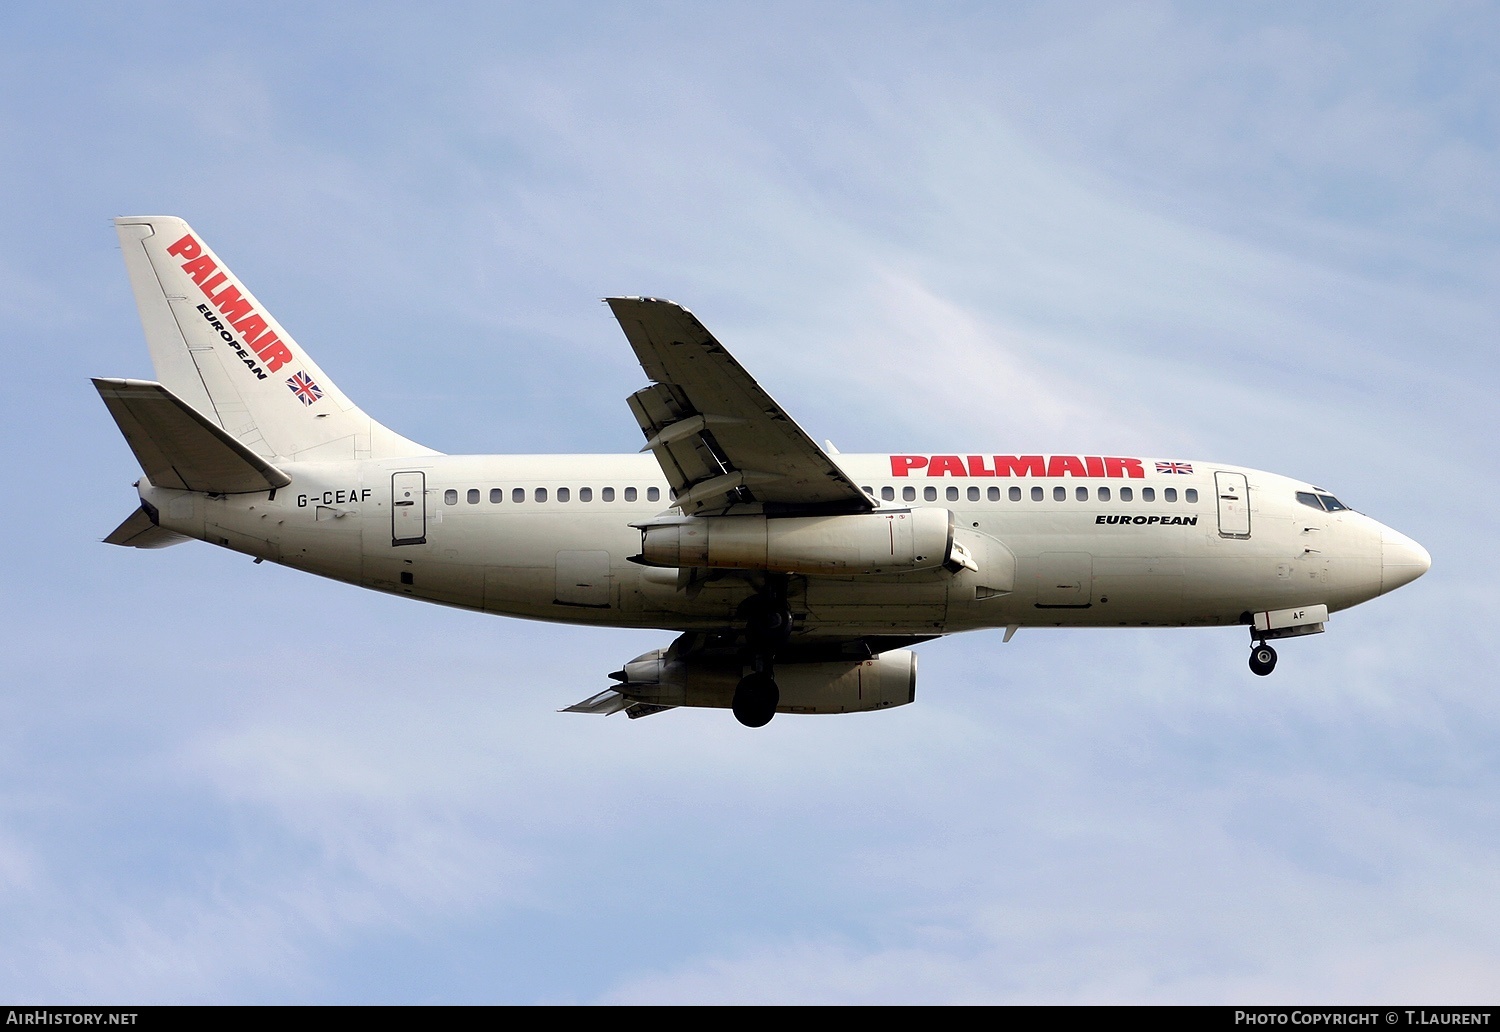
x=1321 y=501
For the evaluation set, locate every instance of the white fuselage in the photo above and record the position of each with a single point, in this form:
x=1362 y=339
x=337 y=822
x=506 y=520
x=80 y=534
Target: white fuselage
x=798 y=576
x=550 y=537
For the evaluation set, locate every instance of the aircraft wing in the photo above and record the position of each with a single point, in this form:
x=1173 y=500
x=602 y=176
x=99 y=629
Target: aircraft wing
x=720 y=438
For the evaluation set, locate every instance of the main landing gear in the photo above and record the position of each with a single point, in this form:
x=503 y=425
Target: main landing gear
x=1262 y=658
x=756 y=698
x=768 y=626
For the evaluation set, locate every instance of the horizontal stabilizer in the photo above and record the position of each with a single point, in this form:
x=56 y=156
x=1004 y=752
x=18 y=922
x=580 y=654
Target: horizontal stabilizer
x=179 y=448
x=140 y=531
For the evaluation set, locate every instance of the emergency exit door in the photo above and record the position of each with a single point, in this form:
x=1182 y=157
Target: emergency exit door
x=408 y=509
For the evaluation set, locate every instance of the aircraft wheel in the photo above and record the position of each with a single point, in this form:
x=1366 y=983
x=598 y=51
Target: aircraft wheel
x=1262 y=659
x=755 y=700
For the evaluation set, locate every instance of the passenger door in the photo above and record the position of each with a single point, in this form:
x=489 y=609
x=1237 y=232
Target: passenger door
x=1234 y=504
x=408 y=509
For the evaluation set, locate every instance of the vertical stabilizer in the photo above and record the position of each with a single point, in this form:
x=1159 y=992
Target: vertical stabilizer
x=216 y=347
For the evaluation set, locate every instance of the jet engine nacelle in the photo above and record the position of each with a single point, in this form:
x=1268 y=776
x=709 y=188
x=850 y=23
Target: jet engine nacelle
x=877 y=542
x=844 y=686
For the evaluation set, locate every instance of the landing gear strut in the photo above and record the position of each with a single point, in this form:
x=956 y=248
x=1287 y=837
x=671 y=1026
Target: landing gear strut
x=768 y=626
x=1262 y=658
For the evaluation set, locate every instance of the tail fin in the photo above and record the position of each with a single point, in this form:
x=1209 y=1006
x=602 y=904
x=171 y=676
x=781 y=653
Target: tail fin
x=216 y=348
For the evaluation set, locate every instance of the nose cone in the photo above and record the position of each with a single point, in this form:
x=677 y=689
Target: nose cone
x=1402 y=560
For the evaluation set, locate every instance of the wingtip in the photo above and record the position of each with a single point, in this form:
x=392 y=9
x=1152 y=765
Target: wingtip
x=642 y=300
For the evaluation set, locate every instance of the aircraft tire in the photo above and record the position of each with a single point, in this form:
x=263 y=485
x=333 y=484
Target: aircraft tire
x=1262 y=660
x=755 y=699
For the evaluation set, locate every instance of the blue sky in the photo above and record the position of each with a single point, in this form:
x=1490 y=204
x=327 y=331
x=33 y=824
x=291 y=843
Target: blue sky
x=1266 y=236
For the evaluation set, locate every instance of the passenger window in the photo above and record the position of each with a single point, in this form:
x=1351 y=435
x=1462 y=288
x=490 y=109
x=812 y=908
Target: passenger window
x=450 y=497
x=585 y=494
x=888 y=493
x=1015 y=494
x=1126 y=494
x=1082 y=494
x=993 y=494
x=608 y=494
x=929 y=494
x=630 y=494
x=909 y=494
x=496 y=496
x=1170 y=494
x=653 y=494
x=518 y=494
x=1036 y=494
x=541 y=494
x=1059 y=494
x=869 y=491
x=1148 y=494
x=473 y=496
x=952 y=494
x=563 y=494
x=1191 y=494
x=973 y=494
x=1104 y=494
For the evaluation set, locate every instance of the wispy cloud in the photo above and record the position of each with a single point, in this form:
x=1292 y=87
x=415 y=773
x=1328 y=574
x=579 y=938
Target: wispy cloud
x=1265 y=236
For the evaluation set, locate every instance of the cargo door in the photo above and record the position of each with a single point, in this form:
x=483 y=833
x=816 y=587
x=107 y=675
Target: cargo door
x=583 y=579
x=1064 y=580
x=1234 y=504
x=408 y=508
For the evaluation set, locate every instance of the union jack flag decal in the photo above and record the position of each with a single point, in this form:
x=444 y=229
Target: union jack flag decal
x=308 y=392
x=1174 y=467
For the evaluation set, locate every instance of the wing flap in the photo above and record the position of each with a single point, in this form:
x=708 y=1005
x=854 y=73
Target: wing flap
x=178 y=447
x=709 y=423
x=674 y=435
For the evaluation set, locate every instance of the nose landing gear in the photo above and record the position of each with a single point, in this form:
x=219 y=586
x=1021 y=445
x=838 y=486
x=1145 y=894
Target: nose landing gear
x=1262 y=658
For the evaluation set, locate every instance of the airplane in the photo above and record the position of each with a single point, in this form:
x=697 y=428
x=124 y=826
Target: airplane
x=798 y=578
